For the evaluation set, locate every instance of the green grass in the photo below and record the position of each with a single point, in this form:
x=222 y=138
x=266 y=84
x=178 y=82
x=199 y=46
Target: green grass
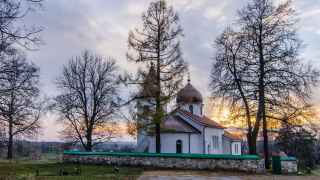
x=316 y=171
x=51 y=171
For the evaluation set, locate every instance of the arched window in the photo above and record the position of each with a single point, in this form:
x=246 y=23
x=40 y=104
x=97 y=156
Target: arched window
x=191 y=108
x=179 y=146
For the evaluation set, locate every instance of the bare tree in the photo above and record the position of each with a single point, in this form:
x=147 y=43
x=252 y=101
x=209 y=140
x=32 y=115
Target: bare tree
x=157 y=44
x=273 y=72
x=20 y=108
x=88 y=98
x=271 y=34
x=12 y=31
x=230 y=79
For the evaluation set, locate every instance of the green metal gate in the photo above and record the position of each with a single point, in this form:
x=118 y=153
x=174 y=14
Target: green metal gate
x=276 y=164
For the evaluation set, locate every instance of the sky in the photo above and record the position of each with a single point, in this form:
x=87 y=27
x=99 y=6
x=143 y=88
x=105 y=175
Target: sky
x=102 y=26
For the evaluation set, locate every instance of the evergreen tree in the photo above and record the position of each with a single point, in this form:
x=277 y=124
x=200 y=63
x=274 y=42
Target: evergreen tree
x=158 y=43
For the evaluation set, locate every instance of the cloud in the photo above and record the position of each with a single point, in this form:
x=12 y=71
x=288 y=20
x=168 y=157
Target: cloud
x=102 y=26
x=216 y=12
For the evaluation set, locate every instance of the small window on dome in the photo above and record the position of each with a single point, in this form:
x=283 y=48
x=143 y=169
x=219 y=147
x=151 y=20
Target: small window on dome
x=191 y=108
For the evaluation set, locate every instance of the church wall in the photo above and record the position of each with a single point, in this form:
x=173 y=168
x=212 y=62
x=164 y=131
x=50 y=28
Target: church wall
x=152 y=144
x=169 y=140
x=209 y=133
x=197 y=108
x=196 y=143
x=226 y=145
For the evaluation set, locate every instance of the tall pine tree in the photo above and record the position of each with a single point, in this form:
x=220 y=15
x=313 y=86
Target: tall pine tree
x=158 y=43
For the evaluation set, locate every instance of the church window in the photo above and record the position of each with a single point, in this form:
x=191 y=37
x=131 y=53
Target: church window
x=236 y=149
x=215 y=142
x=191 y=109
x=179 y=146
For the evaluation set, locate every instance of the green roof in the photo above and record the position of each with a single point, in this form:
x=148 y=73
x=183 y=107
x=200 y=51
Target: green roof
x=166 y=155
x=288 y=158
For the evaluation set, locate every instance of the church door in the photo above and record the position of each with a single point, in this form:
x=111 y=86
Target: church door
x=179 y=147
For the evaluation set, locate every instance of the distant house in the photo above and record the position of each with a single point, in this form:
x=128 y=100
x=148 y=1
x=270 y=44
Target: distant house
x=187 y=129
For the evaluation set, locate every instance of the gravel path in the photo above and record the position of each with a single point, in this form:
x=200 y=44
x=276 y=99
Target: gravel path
x=203 y=175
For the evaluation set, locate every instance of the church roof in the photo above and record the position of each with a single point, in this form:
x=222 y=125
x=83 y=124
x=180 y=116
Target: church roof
x=176 y=124
x=189 y=94
x=204 y=121
x=232 y=136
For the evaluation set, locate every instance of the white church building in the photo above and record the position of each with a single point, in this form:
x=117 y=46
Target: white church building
x=188 y=130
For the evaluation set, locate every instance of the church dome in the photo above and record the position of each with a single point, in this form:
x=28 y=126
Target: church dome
x=189 y=94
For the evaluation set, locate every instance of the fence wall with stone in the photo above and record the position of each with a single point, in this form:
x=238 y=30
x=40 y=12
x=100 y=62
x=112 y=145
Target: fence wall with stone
x=244 y=163
x=289 y=165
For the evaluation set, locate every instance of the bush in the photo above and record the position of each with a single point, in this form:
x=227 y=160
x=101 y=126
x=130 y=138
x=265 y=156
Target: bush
x=298 y=142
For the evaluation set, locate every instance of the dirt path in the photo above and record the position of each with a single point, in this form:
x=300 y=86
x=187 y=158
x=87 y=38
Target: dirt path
x=205 y=175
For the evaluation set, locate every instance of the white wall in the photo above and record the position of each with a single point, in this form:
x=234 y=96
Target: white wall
x=169 y=140
x=142 y=135
x=196 y=143
x=209 y=133
x=196 y=108
x=152 y=144
x=226 y=145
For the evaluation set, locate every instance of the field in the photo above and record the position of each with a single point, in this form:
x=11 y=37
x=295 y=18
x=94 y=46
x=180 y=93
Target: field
x=316 y=171
x=42 y=170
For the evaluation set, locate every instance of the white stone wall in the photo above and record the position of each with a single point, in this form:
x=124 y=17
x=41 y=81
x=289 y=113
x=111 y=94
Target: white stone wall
x=245 y=165
x=289 y=167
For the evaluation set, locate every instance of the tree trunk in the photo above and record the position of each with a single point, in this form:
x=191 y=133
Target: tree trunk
x=10 y=142
x=251 y=141
x=158 y=142
x=261 y=115
x=252 y=144
x=265 y=142
x=158 y=96
x=89 y=145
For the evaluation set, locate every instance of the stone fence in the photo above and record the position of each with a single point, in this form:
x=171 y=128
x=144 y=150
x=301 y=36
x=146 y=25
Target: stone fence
x=244 y=163
x=289 y=165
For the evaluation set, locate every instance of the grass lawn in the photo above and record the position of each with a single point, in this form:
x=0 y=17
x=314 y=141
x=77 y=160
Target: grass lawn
x=52 y=171
x=316 y=171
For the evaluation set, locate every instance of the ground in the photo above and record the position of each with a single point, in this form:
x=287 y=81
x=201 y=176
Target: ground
x=205 y=175
x=54 y=171
x=49 y=168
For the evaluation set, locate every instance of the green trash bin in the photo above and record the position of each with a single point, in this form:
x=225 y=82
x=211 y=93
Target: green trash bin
x=276 y=164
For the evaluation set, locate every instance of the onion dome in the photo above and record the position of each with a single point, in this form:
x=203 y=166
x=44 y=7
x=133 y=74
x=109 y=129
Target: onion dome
x=149 y=87
x=189 y=94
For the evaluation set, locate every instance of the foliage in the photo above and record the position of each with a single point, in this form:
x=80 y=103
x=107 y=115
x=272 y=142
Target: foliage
x=300 y=143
